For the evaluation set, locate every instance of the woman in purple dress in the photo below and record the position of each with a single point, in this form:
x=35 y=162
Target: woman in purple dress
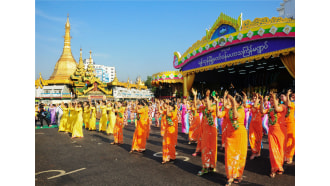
x=184 y=116
x=52 y=111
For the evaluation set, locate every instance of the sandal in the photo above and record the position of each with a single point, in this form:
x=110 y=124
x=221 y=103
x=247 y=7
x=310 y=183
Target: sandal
x=252 y=156
x=229 y=181
x=272 y=175
x=288 y=162
x=279 y=172
x=238 y=180
x=203 y=171
x=194 y=154
x=112 y=143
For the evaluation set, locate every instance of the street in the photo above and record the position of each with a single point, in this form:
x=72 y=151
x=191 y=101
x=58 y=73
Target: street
x=91 y=160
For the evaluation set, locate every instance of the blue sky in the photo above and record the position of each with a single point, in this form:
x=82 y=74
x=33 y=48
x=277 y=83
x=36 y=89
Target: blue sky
x=137 y=37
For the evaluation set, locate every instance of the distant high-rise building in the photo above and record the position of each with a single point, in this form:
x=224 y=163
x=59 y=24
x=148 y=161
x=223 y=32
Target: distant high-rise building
x=287 y=9
x=105 y=73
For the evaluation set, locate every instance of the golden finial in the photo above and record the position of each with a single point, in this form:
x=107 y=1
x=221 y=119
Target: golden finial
x=67 y=24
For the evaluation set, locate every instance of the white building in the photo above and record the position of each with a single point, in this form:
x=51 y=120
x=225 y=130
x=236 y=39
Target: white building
x=53 y=93
x=287 y=9
x=124 y=93
x=105 y=73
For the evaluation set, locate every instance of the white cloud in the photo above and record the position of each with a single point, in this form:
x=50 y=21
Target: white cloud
x=52 y=18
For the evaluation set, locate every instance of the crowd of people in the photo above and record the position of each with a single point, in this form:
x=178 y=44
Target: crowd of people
x=241 y=122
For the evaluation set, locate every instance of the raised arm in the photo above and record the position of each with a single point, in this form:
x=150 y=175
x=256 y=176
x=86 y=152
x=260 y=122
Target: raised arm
x=276 y=106
x=288 y=102
x=225 y=98
x=257 y=101
x=234 y=106
x=262 y=110
x=195 y=95
x=244 y=99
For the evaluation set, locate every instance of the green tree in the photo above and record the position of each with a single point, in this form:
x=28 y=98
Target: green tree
x=148 y=81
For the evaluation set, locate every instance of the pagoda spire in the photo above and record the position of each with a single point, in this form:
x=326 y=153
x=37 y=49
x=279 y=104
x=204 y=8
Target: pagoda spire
x=80 y=58
x=66 y=65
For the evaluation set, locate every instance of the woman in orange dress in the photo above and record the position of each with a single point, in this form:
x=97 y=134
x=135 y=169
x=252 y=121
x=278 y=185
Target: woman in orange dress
x=118 y=129
x=139 y=137
x=236 y=141
x=226 y=106
x=146 y=117
x=157 y=113
x=200 y=110
x=255 y=127
x=290 y=125
x=276 y=134
x=162 y=111
x=170 y=136
x=209 y=136
x=195 y=128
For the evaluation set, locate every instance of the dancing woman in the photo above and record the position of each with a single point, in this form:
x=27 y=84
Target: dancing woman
x=184 y=116
x=195 y=128
x=290 y=124
x=74 y=116
x=170 y=137
x=92 y=120
x=64 y=118
x=111 y=118
x=139 y=137
x=276 y=134
x=209 y=136
x=125 y=114
x=157 y=113
x=103 y=119
x=255 y=127
x=236 y=141
x=77 y=129
x=86 y=114
x=118 y=129
x=265 y=116
x=162 y=111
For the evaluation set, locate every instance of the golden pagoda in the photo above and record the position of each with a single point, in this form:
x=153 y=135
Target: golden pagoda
x=66 y=65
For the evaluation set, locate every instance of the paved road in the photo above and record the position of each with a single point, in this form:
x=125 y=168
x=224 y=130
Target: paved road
x=93 y=161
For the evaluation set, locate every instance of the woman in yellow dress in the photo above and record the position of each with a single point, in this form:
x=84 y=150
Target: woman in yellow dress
x=111 y=118
x=36 y=113
x=74 y=116
x=92 y=120
x=64 y=118
x=77 y=129
x=70 y=118
x=103 y=119
x=86 y=114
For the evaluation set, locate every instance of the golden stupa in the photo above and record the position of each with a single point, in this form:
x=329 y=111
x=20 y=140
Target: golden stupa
x=66 y=65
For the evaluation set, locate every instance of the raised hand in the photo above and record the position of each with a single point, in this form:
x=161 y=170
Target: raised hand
x=244 y=95
x=289 y=92
x=194 y=91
